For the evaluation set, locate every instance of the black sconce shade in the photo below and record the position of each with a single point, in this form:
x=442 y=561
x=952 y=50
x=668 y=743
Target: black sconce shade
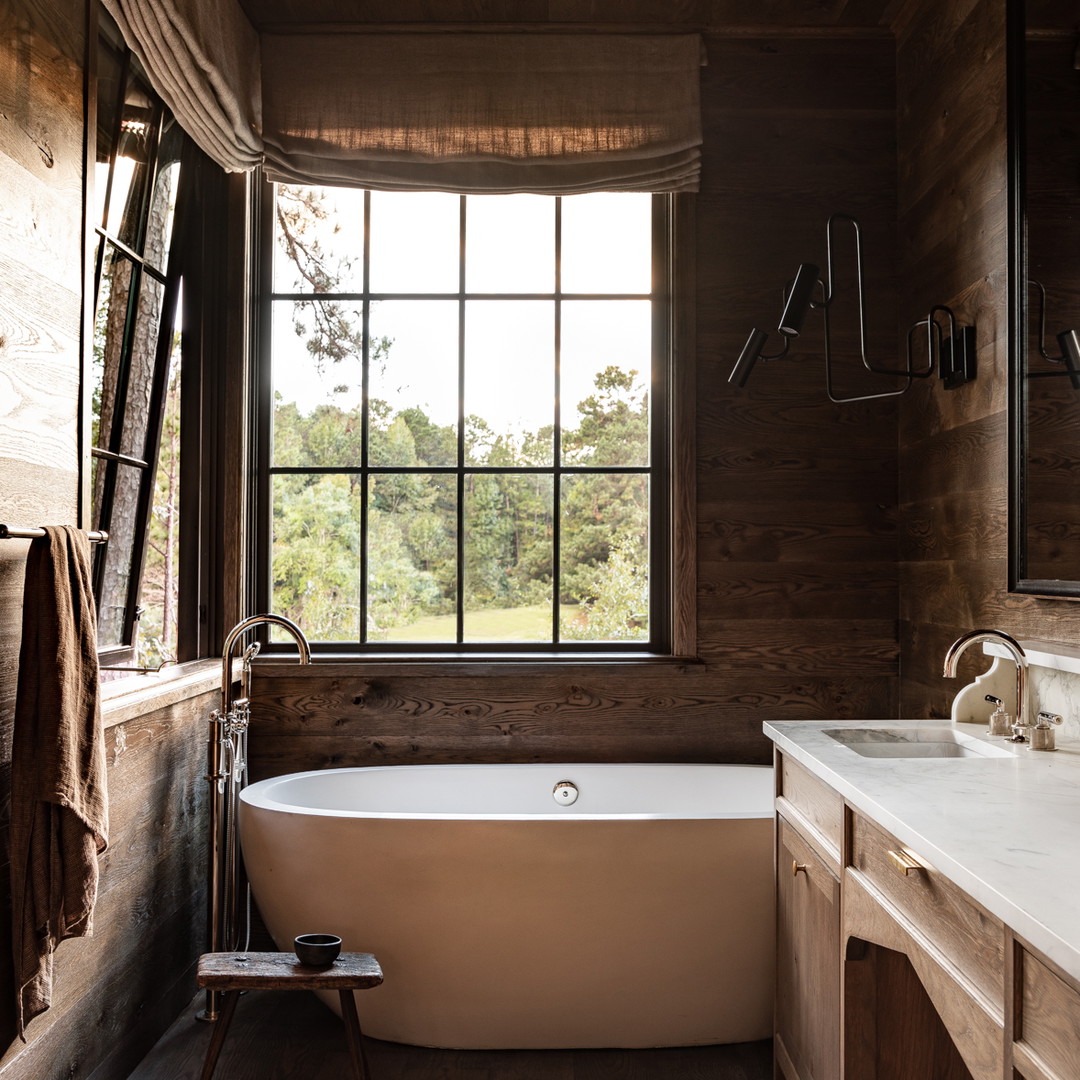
x=748 y=357
x=798 y=301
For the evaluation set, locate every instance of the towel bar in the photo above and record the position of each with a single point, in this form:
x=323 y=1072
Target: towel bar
x=7 y=532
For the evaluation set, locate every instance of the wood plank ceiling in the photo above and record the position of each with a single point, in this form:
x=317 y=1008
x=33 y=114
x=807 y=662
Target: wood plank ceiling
x=715 y=15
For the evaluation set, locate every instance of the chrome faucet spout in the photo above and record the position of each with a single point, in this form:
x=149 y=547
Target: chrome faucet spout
x=267 y=619
x=1016 y=653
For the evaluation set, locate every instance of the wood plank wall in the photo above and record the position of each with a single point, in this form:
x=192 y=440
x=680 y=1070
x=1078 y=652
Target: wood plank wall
x=116 y=992
x=796 y=531
x=954 y=446
x=41 y=175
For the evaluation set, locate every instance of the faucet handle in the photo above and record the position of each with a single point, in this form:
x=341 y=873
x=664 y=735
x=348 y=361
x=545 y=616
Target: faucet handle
x=998 y=723
x=1042 y=733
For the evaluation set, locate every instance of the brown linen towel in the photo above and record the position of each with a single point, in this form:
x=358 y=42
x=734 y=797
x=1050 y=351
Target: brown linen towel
x=59 y=807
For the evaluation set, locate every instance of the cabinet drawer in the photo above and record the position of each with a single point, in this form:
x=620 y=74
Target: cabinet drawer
x=1048 y=1024
x=972 y=941
x=813 y=805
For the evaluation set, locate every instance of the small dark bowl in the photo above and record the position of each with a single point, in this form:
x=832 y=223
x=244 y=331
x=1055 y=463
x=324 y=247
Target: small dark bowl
x=317 y=950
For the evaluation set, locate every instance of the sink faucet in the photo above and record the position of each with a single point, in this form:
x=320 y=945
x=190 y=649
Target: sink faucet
x=1012 y=646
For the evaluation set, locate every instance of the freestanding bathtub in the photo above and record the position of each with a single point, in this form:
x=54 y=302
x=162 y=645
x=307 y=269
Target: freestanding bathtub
x=507 y=916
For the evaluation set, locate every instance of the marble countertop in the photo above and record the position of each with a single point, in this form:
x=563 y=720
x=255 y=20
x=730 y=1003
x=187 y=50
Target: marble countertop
x=1004 y=829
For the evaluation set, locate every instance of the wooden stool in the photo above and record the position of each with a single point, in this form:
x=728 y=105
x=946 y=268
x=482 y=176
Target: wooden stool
x=233 y=972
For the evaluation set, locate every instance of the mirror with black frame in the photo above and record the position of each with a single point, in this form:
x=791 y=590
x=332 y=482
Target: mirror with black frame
x=1044 y=288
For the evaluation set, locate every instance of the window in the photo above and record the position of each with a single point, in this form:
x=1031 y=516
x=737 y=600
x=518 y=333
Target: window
x=464 y=420
x=135 y=364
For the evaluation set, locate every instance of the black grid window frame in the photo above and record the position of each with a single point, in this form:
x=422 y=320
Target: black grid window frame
x=657 y=472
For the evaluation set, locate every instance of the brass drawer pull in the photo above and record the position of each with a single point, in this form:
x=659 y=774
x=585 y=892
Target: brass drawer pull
x=797 y=868
x=904 y=863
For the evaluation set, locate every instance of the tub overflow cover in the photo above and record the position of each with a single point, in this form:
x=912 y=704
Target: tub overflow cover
x=565 y=792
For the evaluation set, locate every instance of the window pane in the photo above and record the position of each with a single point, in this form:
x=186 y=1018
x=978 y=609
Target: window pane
x=159 y=225
x=119 y=551
x=605 y=557
x=508 y=557
x=606 y=362
x=607 y=243
x=317 y=378
x=318 y=239
x=509 y=243
x=315 y=557
x=415 y=242
x=509 y=382
x=109 y=321
x=143 y=352
x=116 y=359
x=133 y=166
x=412 y=558
x=108 y=92
x=157 y=630
x=413 y=382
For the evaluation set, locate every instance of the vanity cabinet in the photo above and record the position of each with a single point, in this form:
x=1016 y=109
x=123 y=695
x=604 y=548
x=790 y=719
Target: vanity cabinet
x=807 y=1040
x=1046 y=1031
x=887 y=970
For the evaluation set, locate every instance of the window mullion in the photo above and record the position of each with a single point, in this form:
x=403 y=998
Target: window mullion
x=557 y=450
x=365 y=426
x=459 y=607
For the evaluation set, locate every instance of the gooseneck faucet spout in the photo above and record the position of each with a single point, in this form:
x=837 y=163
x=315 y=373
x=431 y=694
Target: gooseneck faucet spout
x=227 y=774
x=269 y=619
x=1015 y=651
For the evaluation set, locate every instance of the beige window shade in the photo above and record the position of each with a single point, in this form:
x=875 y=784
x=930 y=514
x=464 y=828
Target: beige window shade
x=476 y=112
x=202 y=57
x=548 y=113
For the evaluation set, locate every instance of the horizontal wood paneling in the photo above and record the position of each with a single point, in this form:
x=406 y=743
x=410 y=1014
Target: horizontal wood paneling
x=837 y=590
x=724 y=13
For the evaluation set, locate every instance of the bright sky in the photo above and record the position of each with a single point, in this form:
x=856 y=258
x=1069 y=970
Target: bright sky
x=509 y=344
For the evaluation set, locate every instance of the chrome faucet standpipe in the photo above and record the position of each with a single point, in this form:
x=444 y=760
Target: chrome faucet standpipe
x=226 y=757
x=1015 y=651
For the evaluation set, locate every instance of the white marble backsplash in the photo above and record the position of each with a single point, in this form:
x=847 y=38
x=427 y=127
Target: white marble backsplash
x=1053 y=682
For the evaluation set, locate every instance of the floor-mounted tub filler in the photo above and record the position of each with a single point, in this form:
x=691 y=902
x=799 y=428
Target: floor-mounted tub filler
x=531 y=906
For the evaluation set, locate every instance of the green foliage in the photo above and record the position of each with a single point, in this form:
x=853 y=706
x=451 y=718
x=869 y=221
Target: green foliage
x=620 y=587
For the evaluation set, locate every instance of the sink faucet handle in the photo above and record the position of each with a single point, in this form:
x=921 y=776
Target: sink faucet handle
x=999 y=722
x=1042 y=733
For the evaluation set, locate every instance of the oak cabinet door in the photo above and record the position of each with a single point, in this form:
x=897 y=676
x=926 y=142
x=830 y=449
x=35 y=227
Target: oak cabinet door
x=808 y=961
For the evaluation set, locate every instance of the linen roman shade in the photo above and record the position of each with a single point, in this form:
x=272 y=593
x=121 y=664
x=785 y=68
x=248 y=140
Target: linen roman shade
x=202 y=57
x=551 y=113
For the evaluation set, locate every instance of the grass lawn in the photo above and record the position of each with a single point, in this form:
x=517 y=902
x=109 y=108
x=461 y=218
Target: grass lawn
x=497 y=624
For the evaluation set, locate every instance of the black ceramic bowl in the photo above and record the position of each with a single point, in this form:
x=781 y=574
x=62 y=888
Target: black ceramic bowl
x=317 y=950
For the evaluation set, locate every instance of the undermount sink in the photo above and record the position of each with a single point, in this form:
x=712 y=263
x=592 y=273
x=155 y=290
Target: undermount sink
x=915 y=742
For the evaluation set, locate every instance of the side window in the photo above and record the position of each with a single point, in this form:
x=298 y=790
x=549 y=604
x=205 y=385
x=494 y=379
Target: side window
x=464 y=424
x=135 y=364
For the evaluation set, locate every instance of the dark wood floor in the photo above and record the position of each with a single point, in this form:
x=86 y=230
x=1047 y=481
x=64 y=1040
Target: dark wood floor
x=291 y=1035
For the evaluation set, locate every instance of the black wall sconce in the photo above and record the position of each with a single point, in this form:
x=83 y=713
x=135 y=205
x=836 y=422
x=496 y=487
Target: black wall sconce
x=950 y=347
x=1069 y=340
